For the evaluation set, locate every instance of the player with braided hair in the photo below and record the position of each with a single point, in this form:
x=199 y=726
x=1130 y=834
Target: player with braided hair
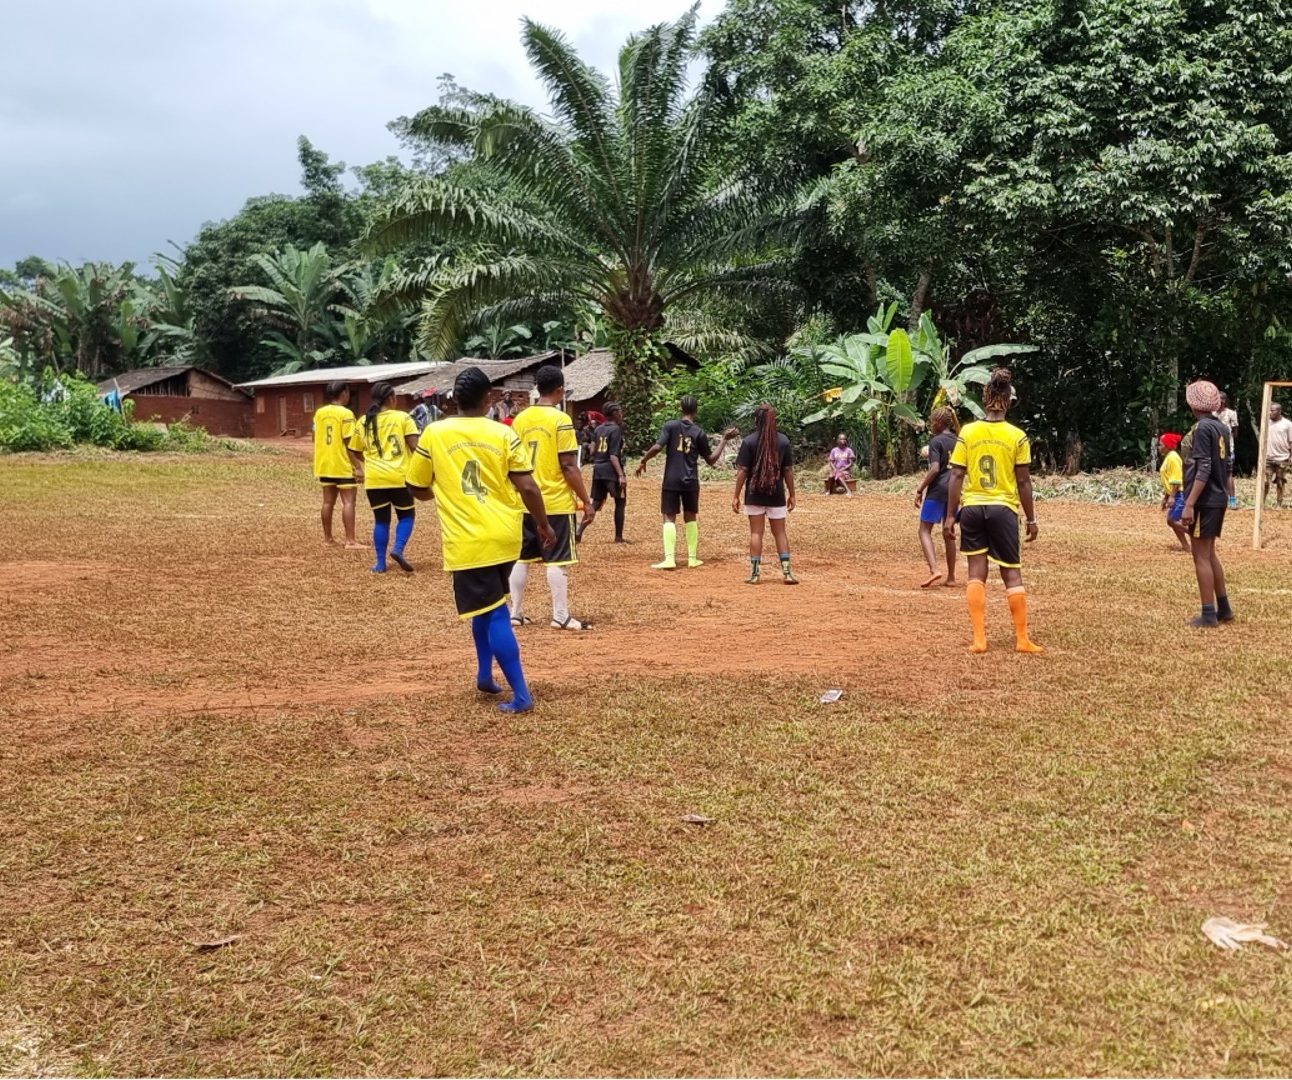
x=765 y=474
x=991 y=473
x=931 y=495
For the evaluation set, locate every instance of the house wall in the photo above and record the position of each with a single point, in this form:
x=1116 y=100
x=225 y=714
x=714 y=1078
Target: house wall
x=219 y=417
x=298 y=404
x=202 y=385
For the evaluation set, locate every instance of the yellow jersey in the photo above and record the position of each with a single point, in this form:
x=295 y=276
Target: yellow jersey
x=386 y=456
x=1171 y=472
x=465 y=462
x=333 y=430
x=988 y=451
x=545 y=433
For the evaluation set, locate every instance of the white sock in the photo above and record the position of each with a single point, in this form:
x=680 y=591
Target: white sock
x=558 y=580
x=519 y=576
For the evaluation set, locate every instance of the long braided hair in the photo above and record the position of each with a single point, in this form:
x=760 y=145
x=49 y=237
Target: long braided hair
x=999 y=391
x=381 y=393
x=946 y=416
x=766 y=473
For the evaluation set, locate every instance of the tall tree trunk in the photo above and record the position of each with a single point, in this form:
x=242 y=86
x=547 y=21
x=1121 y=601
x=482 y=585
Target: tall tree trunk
x=921 y=296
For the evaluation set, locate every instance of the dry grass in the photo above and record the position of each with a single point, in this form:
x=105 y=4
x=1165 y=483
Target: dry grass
x=212 y=726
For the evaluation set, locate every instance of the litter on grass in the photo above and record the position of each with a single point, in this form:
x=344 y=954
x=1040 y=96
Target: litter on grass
x=697 y=819
x=831 y=696
x=1227 y=934
x=211 y=946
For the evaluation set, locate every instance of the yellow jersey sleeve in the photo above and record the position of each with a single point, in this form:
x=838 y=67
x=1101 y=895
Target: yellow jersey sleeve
x=960 y=455
x=517 y=460
x=421 y=469
x=566 y=441
x=358 y=441
x=410 y=425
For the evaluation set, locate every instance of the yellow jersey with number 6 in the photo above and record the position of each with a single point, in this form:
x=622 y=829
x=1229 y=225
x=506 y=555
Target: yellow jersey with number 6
x=333 y=429
x=546 y=433
x=989 y=451
x=465 y=461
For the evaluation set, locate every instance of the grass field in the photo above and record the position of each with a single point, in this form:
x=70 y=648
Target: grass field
x=212 y=726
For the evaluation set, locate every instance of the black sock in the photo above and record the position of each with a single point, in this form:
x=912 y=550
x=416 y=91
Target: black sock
x=1223 y=610
x=621 y=509
x=1209 y=613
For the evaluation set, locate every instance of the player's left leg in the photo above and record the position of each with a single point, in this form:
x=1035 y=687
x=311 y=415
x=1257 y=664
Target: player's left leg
x=380 y=536
x=1012 y=576
x=620 y=493
x=1204 y=550
x=348 y=496
x=329 y=503
x=668 y=506
x=406 y=516
x=930 y=554
x=692 y=520
x=757 y=524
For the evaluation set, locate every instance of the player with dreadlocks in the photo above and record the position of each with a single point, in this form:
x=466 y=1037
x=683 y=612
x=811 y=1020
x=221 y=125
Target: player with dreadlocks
x=380 y=448
x=931 y=495
x=991 y=474
x=765 y=474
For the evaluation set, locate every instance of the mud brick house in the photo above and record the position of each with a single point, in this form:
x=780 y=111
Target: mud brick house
x=191 y=394
x=285 y=404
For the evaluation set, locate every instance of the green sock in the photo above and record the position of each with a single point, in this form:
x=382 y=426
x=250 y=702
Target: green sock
x=670 y=541
x=693 y=540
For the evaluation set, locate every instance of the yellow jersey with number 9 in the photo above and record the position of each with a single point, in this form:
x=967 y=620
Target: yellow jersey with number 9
x=386 y=456
x=465 y=462
x=988 y=451
x=333 y=430
x=546 y=433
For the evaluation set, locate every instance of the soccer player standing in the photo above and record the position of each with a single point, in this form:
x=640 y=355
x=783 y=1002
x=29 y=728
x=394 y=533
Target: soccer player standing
x=991 y=474
x=1172 y=474
x=380 y=446
x=473 y=468
x=1206 y=497
x=333 y=468
x=684 y=443
x=608 y=478
x=547 y=436
x=765 y=473
x=931 y=495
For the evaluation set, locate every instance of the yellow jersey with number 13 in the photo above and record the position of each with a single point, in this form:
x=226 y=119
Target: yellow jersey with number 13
x=333 y=429
x=385 y=456
x=988 y=451
x=465 y=461
x=546 y=433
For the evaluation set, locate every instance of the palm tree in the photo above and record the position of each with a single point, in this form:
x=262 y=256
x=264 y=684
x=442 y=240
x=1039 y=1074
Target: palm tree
x=610 y=205
x=303 y=285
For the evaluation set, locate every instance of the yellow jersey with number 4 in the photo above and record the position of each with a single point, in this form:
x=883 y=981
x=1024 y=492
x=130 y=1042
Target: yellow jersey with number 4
x=989 y=451
x=333 y=429
x=385 y=454
x=465 y=461
x=545 y=433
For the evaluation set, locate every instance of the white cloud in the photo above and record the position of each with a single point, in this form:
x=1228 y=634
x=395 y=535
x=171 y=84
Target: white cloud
x=153 y=116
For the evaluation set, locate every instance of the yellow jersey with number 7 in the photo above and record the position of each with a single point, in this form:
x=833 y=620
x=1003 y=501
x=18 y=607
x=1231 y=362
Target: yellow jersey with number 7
x=465 y=461
x=546 y=433
x=989 y=451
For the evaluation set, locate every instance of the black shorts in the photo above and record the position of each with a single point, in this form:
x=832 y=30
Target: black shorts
x=1208 y=522
x=482 y=589
x=342 y=482
x=564 y=552
x=991 y=531
x=673 y=502
x=601 y=489
x=400 y=498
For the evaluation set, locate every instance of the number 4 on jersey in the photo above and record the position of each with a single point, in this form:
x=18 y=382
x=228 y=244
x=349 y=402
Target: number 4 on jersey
x=471 y=484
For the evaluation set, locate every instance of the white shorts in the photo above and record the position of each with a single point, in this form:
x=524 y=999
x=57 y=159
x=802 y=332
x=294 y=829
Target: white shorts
x=774 y=513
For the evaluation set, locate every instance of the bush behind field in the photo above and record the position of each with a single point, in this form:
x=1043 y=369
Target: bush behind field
x=60 y=412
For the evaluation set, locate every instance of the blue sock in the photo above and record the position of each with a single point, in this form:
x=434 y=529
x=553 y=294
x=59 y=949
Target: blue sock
x=484 y=655
x=403 y=530
x=1209 y=614
x=502 y=643
x=380 y=541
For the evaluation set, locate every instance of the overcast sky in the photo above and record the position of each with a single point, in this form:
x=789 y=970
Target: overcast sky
x=125 y=124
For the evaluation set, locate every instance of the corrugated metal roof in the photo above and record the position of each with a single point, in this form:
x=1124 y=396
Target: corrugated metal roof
x=442 y=378
x=589 y=375
x=359 y=373
x=130 y=381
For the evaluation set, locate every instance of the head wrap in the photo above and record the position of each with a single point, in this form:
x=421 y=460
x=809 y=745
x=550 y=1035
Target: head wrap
x=1171 y=440
x=1203 y=396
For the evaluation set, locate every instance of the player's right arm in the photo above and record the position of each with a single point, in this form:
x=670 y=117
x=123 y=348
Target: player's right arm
x=929 y=478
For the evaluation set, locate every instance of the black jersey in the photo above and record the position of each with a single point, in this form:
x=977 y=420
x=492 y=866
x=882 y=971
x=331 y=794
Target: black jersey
x=684 y=443
x=607 y=442
x=1209 y=460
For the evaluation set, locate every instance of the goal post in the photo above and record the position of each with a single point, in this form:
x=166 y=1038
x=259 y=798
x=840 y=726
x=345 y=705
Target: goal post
x=1267 y=399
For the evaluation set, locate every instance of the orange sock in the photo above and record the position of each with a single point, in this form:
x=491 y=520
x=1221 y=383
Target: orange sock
x=1018 y=608
x=977 y=593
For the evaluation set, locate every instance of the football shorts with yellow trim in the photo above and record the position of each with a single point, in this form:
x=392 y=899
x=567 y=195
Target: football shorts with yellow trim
x=482 y=589
x=991 y=531
x=565 y=551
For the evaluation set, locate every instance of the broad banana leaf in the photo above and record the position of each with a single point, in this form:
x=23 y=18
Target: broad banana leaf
x=899 y=362
x=904 y=412
x=979 y=375
x=987 y=352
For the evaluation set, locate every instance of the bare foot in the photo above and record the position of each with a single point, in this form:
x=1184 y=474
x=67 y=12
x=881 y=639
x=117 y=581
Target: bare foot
x=978 y=647
x=1028 y=647
x=932 y=579
x=328 y=540
x=950 y=583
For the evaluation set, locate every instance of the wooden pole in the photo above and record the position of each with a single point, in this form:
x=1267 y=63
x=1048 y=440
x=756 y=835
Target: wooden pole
x=1266 y=398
